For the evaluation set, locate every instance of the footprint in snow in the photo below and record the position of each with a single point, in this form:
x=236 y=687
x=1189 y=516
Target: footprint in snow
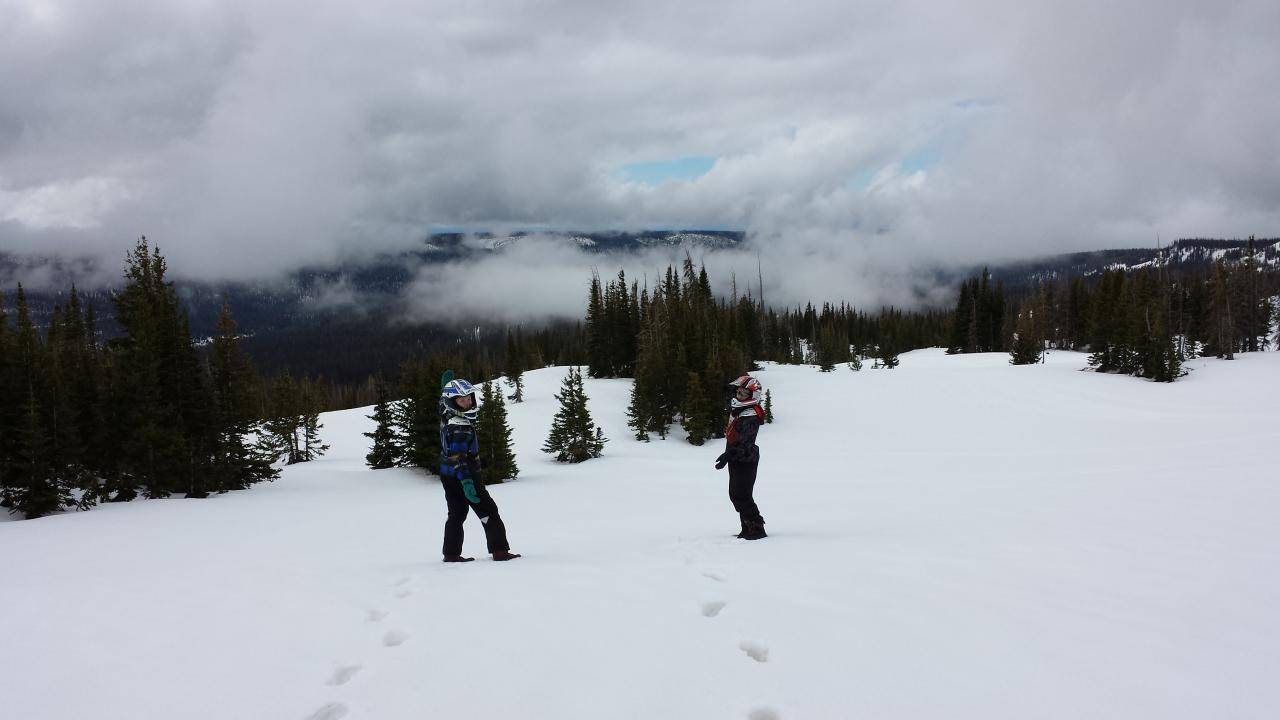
x=403 y=580
x=713 y=576
x=763 y=713
x=713 y=608
x=332 y=711
x=394 y=638
x=344 y=674
x=754 y=650
x=403 y=593
x=375 y=615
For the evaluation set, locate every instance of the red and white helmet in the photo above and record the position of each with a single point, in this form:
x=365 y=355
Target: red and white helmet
x=752 y=386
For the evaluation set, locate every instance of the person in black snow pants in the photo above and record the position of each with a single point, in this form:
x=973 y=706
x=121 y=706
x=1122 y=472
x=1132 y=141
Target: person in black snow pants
x=742 y=455
x=458 y=471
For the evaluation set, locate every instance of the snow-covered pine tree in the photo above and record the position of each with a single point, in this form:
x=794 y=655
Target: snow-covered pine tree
x=387 y=450
x=497 y=459
x=768 y=406
x=574 y=437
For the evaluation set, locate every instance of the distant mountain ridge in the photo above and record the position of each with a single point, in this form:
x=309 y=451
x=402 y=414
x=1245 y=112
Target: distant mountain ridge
x=1186 y=255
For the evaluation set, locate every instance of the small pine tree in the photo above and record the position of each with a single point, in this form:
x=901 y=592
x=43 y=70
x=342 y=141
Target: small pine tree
x=279 y=437
x=312 y=446
x=387 y=450
x=497 y=459
x=574 y=437
x=697 y=413
x=1027 y=347
x=888 y=353
x=768 y=406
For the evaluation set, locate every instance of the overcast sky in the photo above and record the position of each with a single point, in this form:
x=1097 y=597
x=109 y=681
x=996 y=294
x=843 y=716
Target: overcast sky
x=849 y=138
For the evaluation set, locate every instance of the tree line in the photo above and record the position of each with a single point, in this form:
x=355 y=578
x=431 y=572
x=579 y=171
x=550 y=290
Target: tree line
x=682 y=344
x=145 y=413
x=1144 y=322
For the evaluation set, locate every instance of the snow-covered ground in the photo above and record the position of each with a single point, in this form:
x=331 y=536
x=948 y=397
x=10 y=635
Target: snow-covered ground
x=957 y=538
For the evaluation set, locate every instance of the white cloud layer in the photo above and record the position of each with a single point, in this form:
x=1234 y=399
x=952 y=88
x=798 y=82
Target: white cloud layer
x=854 y=140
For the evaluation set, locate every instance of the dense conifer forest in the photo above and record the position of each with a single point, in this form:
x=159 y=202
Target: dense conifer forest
x=150 y=412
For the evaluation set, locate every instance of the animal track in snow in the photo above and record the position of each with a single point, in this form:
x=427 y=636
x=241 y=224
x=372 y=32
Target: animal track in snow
x=754 y=650
x=375 y=615
x=394 y=638
x=713 y=576
x=344 y=674
x=332 y=711
x=763 y=713
x=713 y=608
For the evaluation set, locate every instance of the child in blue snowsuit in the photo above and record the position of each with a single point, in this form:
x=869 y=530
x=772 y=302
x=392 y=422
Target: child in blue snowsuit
x=459 y=462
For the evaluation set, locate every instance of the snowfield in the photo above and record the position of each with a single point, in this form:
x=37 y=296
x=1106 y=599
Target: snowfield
x=956 y=538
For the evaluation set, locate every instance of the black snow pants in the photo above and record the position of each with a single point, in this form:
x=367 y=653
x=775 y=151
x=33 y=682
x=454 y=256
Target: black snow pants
x=742 y=481
x=486 y=509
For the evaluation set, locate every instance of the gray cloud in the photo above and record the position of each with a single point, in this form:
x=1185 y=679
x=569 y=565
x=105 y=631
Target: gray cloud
x=855 y=141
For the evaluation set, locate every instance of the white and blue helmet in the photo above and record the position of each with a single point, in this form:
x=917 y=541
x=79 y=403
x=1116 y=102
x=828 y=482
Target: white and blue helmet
x=449 y=395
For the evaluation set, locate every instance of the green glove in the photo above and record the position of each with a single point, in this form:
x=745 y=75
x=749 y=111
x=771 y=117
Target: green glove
x=469 y=489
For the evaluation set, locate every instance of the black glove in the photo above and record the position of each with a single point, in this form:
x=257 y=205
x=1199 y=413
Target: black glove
x=720 y=461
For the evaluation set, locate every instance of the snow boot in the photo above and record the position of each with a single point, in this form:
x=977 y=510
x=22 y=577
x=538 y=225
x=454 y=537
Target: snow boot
x=457 y=558
x=504 y=556
x=743 y=530
x=753 y=531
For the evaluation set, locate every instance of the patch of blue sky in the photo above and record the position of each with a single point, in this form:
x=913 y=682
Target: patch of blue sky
x=659 y=171
x=924 y=158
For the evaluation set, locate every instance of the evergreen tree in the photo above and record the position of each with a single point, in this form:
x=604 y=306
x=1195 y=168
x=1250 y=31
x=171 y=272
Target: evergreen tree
x=1222 y=338
x=237 y=462
x=962 y=324
x=698 y=413
x=419 y=415
x=33 y=486
x=515 y=366
x=1027 y=345
x=888 y=352
x=10 y=413
x=574 y=436
x=1254 y=310
x=388 y=448
x=312 y=447
x=153 y=381
x=599 y=353
x=497 y=458
x=768 y=406
x=651 y=406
